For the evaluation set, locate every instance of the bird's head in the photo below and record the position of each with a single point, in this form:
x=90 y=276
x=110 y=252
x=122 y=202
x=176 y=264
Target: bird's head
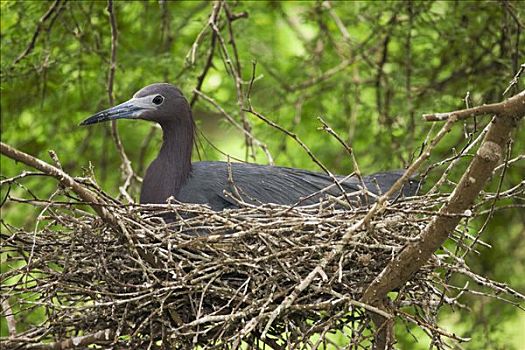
x=161 y=102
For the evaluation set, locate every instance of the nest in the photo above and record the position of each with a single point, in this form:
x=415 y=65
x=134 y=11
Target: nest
x=219 y=279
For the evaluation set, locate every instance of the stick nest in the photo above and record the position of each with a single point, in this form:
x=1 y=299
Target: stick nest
x=218 y=279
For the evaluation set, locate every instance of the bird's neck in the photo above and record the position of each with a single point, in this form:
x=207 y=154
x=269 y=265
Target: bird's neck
x=168 y=172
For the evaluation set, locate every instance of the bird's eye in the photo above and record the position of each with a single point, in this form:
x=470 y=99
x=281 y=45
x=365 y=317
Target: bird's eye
x=158 y=100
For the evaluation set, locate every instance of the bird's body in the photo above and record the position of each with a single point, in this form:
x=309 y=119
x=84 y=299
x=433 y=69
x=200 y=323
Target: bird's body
x=258 y=184
x=217 y=184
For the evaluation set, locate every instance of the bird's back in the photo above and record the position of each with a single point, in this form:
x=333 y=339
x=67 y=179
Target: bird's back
x=209 y=183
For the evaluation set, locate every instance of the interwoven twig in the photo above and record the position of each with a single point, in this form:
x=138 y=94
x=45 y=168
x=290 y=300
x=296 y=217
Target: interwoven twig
x=213 y=278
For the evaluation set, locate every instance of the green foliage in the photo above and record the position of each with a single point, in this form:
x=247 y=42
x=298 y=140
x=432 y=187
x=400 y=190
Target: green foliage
x=400 y=60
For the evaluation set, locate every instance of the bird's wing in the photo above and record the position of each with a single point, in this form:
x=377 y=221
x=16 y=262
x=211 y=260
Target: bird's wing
x=256 y=184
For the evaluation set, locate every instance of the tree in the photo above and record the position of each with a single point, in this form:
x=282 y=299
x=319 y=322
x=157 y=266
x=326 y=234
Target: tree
x=368 y=69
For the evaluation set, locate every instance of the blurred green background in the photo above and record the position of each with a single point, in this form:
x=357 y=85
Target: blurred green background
x=369 y=69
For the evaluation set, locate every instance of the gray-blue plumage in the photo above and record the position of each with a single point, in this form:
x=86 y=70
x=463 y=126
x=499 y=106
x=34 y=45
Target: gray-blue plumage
x=257 y=184
x=172 y=174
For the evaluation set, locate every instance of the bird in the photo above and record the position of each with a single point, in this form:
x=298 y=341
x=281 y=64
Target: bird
x=218 y=184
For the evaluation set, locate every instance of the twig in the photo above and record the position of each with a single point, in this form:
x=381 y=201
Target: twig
x=415 y=254
x=232 y=121
x=348 y=149
x=303 y=146
x=75 y=342
x=494 y=200
x=493 y=108
x=213 y=17
x=456 y=160
x=233 y=66
x=515 y=80
x=9 y=317
x=205 y=70
x=37 y=31
x=61 y=176
x=23 y=174
x=126 y=163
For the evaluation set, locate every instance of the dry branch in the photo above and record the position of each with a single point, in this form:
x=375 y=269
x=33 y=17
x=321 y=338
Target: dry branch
x=415 y=254
x=225 y=278
x=66 y=180
x=279 y=275
x=247 y=274
x=218 y=279
x=102 y=336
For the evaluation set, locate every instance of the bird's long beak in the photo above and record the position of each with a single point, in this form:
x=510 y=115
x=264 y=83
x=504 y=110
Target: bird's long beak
x=131 y=109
